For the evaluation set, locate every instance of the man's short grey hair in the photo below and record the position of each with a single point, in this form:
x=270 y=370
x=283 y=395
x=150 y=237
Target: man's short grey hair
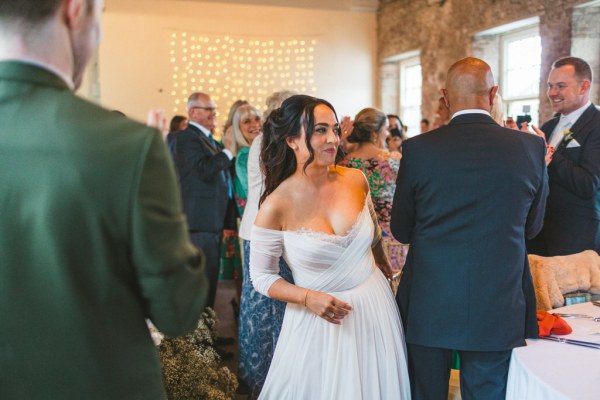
x=193 y=99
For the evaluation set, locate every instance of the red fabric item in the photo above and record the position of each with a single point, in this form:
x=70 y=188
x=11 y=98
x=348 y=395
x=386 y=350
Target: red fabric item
x=552 y=324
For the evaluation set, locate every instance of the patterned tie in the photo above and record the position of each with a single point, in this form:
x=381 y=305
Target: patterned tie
x=558 y=135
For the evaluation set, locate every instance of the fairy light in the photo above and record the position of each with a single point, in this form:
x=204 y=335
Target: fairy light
x=231 y=68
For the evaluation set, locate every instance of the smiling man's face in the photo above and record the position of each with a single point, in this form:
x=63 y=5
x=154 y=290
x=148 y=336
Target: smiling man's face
x=565 y=91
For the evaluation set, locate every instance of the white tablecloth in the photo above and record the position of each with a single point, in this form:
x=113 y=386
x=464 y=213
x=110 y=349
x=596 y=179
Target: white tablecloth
x=548 y=370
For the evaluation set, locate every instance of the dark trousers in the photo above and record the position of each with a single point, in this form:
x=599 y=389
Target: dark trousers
x=483 y=375
x=210 y=243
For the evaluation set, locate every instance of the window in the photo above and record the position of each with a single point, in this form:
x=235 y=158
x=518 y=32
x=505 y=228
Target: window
x=410 y=95
x=520 y=75
x=401 y=83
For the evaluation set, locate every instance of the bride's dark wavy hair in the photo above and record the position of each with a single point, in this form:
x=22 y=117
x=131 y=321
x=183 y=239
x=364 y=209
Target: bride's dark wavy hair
x=277 y=159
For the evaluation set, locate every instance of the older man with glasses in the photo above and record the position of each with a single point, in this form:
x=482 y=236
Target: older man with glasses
x=203 y=168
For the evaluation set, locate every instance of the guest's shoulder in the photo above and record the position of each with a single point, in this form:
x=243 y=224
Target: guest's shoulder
x=100 y=122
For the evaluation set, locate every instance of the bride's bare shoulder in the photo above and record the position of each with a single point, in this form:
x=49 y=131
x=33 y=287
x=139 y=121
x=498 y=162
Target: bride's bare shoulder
x=271 y=212
x=352 y=176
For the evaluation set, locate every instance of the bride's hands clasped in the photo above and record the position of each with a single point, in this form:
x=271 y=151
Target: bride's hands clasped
x=326 y=306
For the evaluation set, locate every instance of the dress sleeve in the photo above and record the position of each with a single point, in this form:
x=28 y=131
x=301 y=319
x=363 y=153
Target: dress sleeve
x=376 y=227
x=265 y=249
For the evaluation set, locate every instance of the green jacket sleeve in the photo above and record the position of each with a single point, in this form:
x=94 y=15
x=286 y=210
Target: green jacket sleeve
x=170 y=269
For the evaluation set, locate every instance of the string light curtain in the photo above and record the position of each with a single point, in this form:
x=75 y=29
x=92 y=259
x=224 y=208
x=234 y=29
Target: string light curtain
x=231 y=68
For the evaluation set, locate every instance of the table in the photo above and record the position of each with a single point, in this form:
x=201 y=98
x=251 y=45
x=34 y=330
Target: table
x=548 y=370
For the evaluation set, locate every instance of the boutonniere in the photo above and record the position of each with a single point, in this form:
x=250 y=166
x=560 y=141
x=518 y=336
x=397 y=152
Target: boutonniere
x=567 y=135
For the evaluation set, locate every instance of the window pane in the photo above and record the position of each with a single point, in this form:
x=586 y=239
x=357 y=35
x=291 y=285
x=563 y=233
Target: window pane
x=410 y=95
x=522 y=66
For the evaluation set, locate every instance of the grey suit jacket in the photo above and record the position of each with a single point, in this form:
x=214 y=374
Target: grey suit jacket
x=202 y=171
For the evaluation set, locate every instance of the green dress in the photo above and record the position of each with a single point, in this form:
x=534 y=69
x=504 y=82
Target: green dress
x=231 y=259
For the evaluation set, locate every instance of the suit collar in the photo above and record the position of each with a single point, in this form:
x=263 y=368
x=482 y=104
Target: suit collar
x=31 y=73
x=582 y=127
x=475 y=118
x=199 y=128
x=202 y=136
x=578 y=128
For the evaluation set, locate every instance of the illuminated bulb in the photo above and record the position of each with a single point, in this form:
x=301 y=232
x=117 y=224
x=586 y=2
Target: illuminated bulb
x=173 y=35
x=173 y=93
x=176 y=101
x=172 y=43
x=173 y=59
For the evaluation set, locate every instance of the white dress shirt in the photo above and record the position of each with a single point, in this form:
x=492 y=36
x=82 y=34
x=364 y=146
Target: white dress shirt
x=565 y=122
x=470 y=111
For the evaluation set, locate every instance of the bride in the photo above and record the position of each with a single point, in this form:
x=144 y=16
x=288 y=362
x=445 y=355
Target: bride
x=341 y=336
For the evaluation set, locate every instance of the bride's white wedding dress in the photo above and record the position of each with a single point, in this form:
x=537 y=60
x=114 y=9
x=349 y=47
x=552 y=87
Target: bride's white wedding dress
x=365 y=356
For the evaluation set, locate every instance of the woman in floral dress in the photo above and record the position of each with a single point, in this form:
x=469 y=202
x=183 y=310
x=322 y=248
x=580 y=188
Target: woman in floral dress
x=381 y=169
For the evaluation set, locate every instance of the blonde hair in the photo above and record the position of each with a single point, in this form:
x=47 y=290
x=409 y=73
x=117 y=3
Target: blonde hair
x=274 y=101
x=242 y=112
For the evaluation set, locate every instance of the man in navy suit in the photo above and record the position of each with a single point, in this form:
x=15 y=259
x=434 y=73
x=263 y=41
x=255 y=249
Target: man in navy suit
x=467 y=196
x=203 y=170
x=572 y=220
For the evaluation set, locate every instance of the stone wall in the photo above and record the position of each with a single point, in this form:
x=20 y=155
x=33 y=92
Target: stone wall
x=444 y=31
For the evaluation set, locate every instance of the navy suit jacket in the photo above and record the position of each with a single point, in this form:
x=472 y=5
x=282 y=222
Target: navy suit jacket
x=467 y=196
x=202 y=171
x=572 y=220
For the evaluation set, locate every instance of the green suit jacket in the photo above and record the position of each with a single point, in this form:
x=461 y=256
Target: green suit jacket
x=92 y=242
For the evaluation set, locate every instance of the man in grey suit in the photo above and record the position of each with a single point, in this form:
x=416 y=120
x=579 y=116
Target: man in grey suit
x=92 y=236
x=467 y=196
x=203 y=169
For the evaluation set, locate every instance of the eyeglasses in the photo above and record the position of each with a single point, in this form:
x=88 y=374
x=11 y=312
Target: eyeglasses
x=209 y=109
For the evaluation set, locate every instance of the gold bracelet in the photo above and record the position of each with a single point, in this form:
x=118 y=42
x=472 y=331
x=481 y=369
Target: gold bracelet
x=305 y=296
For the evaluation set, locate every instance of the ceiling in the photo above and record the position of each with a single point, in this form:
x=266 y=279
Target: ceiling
x=348 y=5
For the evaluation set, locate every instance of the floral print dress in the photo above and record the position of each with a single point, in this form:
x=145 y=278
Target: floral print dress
x=381 y=172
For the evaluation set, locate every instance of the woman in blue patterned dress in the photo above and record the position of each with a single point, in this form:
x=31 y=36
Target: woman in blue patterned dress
x=260 y=317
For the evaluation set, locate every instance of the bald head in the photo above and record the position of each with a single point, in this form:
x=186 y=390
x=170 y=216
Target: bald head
x=469 y=84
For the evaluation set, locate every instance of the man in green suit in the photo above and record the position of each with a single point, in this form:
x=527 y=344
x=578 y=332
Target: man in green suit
x=92 y=236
